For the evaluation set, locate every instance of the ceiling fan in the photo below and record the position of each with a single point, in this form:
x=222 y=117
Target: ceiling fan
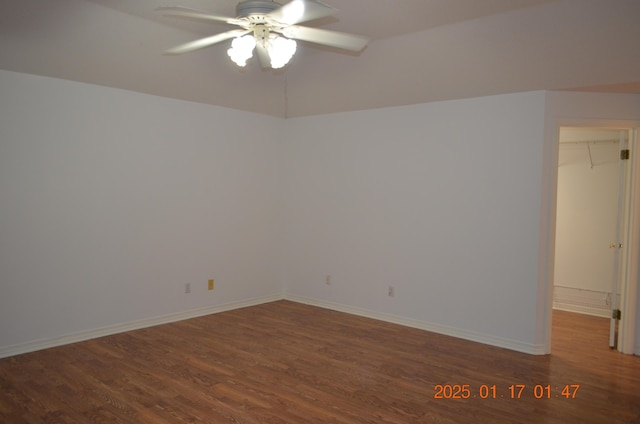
x=269 y=28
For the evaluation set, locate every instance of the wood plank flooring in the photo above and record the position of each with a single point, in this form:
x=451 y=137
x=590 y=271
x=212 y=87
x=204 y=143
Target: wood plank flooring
x=285 y=362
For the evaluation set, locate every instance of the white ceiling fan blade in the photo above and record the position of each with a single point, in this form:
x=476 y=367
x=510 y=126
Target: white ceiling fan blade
x=206 y=42
x=263 y=55
x=297 y=11
x=325 y=37
x=184 y=12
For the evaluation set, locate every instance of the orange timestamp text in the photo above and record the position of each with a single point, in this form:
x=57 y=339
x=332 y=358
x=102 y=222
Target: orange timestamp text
x=513 y=391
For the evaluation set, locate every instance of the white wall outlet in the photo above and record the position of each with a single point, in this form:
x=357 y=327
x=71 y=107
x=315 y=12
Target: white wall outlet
x=391 y=291
x=187 y=287
x=327 y=280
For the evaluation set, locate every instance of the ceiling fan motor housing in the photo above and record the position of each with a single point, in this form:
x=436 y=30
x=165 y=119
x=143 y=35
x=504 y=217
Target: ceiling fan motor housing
x=248 y=8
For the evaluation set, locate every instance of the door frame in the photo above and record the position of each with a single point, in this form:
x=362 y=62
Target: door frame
x=630 y=233
x=631 y=237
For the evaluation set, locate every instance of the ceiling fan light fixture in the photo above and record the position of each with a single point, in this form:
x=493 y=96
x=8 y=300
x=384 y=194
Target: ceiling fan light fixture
x=280 y=50
x=242 y=49
x=275 y=28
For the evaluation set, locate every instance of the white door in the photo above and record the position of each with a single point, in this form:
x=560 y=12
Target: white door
x=617 y=243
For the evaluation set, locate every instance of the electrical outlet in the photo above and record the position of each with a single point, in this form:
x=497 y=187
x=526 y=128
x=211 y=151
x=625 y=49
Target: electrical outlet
x=187 y=287
x=327 y=280
x=391 y=292
x=210 y=286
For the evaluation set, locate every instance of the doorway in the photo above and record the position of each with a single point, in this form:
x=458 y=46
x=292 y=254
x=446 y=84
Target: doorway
x=593 y=223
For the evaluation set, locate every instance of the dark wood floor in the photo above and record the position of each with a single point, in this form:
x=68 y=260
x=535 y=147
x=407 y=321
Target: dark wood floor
x=285 y=362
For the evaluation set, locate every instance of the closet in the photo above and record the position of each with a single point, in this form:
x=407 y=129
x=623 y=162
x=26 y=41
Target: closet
x=587 y=207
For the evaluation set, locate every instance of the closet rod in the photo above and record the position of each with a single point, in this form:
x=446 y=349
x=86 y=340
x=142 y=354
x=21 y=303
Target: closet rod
x=591 y=142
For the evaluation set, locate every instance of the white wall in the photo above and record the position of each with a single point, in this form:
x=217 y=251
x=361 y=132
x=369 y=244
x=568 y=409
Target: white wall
x=440 y=200
x=112 y=200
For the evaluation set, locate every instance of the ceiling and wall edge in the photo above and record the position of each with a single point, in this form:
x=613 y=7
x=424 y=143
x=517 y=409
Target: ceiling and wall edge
x=459 y=51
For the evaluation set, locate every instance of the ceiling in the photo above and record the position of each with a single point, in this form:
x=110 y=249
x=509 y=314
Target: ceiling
x=420 y=51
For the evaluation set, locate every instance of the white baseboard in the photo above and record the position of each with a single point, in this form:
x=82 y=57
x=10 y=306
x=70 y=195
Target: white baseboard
x=581 y=310
x=582 y=301
x=193 y=313
x=129 y=326
x=422 y=325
